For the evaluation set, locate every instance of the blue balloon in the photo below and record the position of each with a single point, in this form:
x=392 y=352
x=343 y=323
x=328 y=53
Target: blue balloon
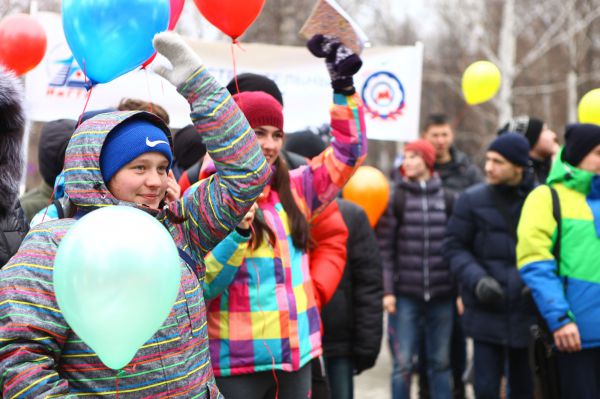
x=112 y=37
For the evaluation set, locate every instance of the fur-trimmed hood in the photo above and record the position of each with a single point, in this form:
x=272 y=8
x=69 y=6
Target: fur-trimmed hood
x=12 y=128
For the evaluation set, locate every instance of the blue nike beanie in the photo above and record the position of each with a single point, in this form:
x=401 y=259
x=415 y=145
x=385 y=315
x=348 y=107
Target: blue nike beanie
x=129 y=140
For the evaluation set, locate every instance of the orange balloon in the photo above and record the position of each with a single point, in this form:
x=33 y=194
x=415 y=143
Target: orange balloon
x=22 y=43
x=370 y=189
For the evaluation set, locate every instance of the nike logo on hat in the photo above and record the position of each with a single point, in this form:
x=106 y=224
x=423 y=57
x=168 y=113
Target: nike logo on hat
x=153 y=144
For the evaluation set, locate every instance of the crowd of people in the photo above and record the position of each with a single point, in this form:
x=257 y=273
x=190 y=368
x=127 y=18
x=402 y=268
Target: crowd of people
x=284 y=284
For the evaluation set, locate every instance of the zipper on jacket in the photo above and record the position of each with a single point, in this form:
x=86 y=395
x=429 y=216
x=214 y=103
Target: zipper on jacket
x=425 y=240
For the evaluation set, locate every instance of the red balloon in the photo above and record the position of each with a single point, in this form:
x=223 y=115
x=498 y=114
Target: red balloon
x=176 y=9
x=232 y=17
x=22 y=43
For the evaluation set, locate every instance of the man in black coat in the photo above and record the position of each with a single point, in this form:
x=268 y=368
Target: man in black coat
x=458 y=173
x=12 y=127
x=454 y=167
x=480 y=246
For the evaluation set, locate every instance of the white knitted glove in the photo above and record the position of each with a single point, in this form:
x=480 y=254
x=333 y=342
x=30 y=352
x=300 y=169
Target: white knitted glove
x=183 y=59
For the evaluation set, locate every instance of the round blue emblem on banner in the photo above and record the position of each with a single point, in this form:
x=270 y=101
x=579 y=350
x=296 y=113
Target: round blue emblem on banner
x=383 y=95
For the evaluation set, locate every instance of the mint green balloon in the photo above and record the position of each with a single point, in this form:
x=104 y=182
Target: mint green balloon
x=116 y=278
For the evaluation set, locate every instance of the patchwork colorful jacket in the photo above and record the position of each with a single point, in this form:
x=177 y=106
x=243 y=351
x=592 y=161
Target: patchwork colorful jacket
x=40 y=356
x=574 y=294
x=263 y=313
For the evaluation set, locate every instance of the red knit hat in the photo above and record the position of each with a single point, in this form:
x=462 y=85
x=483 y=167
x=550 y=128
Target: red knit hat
x=425 y=149
x=260 y=109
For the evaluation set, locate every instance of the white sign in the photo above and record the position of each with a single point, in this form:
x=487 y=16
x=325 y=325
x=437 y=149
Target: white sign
x=389 y=83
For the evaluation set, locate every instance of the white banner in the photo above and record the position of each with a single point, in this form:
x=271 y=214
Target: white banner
x=389 y=83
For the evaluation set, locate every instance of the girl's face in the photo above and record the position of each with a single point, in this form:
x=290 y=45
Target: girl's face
x=270 y=139
x=142 y=181
x=414 y=166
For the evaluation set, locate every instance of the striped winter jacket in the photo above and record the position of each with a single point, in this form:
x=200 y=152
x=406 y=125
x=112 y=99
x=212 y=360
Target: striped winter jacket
x=264 y=312
x=40 y=356
x=574 y=294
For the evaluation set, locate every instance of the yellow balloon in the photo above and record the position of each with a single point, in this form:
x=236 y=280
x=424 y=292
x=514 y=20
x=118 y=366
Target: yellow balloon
x=589 y=108
x=480 y=82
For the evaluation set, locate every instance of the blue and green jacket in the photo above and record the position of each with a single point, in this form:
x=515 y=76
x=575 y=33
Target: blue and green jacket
x=572 y=294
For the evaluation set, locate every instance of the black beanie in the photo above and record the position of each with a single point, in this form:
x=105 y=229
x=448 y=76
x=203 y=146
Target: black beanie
x=580 y=140
x=188 y=147
x=513 y=147
x=305 y=143
x=255 y=82
x=54 y=137
x=528 y=126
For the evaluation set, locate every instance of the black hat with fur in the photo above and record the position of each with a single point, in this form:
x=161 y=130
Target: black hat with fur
x=12 y=128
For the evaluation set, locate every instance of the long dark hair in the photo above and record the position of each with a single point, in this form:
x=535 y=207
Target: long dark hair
x=299 y=227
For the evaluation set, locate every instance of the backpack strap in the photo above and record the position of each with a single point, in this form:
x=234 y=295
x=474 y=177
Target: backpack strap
x=59 y=209
x=399 y=204
x=190 y=263
x=557 y=218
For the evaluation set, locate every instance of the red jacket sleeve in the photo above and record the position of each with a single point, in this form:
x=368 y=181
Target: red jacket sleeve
x=328 y=258
x=184 y=182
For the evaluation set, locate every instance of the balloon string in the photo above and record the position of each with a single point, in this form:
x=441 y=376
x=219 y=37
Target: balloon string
x=87 y=101
x=237 y=87
x=461 y=115
x=89 y=94
x=149 y=89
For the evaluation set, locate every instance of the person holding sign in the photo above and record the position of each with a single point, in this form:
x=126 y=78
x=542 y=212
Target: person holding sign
x=264 y=324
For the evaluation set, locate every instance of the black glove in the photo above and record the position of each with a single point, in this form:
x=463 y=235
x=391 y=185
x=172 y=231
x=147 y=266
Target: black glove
x=362 y=363
x=489 y=291
x=341 y=62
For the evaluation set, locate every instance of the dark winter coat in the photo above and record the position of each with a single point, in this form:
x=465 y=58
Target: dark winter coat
x=541 y=169
x=460 y=173
x=481 y=242
x=411 y=234
x=353 y=319
x=12 y=126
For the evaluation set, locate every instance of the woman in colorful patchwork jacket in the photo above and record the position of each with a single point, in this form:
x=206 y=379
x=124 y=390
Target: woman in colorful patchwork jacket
x=567 y=290
x=264 y=324
x=123 y=158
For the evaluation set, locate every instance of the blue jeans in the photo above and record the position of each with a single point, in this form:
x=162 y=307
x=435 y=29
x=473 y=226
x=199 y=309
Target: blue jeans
x=340 y=372
x=436 y=318
x=490 y=361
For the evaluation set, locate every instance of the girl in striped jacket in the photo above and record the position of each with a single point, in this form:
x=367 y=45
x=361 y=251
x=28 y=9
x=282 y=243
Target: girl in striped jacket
x=124 y=158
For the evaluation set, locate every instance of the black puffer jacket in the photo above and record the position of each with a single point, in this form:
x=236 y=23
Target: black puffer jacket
x=480 y=242
x=13 y=228
x=353 y=319
x=460 y=173
x=410 y=236
x=12 y=127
